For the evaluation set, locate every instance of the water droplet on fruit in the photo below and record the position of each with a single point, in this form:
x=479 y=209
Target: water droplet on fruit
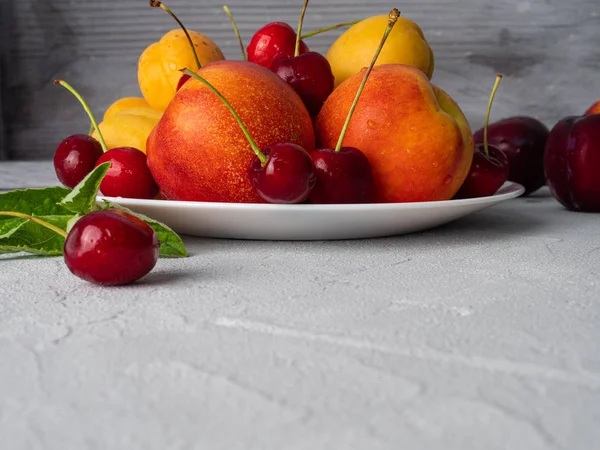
x=448 y=180
x=172 y=66
x=371 y=125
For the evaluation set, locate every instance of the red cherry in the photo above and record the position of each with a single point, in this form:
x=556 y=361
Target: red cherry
x=288 y=175
x=311 y=77
x=273 y=41
x=342 y=177
x=184 y=79
x=111 y=247
x=487 y=173
x=523 y=140
x=75 y=157
x=128 y=175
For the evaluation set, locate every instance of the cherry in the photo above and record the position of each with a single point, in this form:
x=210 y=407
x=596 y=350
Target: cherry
x=487 y=174
x=282 y=172
x=273 y=41
x=111 y=247
x=308 y=73
x=490 y=167
x=128 y=175
x=76 y=157
x=287 y=177
x=184 y=78
x=523 y=141
x=344 y=174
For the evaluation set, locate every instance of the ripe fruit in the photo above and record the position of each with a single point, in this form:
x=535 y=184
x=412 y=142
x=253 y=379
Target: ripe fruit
x=489 y=169
x=111 y=247
x=415 y=136
x=125 y=103
x=198 y=152
x=594 y=109
x=344 y=175
x=308 y=73
x=75 y=157
x=522 y=139
x=354 y=49
x=280 y=173
x=128 y=175
x=273 y=41
x=572 y=162
x=287 y=175
x=129 y=127
x=159 y=64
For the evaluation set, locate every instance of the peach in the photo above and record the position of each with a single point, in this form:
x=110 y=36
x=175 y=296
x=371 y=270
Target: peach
x=417 y=139
x=197 y=150
x=594 y=109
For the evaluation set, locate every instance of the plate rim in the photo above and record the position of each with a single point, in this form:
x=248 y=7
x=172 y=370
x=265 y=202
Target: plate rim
x=507 y=191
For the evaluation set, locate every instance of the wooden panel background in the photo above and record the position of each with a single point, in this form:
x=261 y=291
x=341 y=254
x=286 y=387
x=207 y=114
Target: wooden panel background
x=548 y=50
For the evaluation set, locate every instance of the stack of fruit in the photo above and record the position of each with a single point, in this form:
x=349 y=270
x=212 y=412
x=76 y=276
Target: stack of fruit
x=361 y=124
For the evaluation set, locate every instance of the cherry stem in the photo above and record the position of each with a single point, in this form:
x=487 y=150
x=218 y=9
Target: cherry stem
x=299 y=33
x=261 y=156
x=91 y=129
x=236 y=30
x=158 y=4
x=393 y=17
x=333 y=27
x=68 y=87
x=487 y=114
x=54 y=228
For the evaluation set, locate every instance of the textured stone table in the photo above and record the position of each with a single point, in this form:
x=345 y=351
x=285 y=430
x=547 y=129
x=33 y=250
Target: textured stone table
x=482 y=334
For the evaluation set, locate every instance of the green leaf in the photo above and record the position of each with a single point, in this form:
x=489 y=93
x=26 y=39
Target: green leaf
x=82 y=199
x=21 y=235
x=34 y=238
x=35 y=202
x=170 y=242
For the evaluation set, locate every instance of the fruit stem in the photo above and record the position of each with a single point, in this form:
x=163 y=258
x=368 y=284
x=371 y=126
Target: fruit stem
x=333 y=27
x=68 y=87
x=54 y=228
x=236 y=30
x=158 y=4
x=261 y=156
x=393 y=17
x=487 y=114
x=299 y=33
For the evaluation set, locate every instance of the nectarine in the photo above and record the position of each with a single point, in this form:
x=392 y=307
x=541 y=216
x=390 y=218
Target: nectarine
x=197 y=150
x=594 y=109
x=415 y=136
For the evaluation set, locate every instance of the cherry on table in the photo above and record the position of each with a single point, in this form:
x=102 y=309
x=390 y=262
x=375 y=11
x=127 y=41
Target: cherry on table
x=75 y=157
x=111 y=247
x=128 y=175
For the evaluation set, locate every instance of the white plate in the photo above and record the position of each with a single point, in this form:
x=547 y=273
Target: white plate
x=309 y=222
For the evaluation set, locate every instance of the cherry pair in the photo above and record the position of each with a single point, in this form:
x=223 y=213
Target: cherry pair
x=77 y=155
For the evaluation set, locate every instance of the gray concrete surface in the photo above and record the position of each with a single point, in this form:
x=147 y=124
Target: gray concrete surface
x=482 y=334
x=547 y=50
